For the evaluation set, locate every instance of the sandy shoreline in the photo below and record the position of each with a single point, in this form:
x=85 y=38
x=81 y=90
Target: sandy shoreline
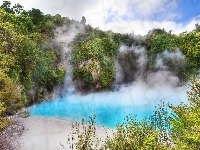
x=50 y=134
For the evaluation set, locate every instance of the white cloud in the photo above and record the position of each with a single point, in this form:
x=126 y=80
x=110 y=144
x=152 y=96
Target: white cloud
x=119 y=16
x=76 y=8
x=141 y=9
x=143 y=26
x=69 y=8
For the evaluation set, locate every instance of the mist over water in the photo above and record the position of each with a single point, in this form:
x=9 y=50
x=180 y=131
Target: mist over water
x=111 y=107
x=138 y=96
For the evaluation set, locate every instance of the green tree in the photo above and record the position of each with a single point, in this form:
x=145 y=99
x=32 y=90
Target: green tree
x=93 y=61
x=190 y=46
x=135 y=135
x=58 y=20
x=47 y=72
x=83 y=20
x=186 y=124
x=22 y=51
x=85 y=134
x=10 y=95
x=17 y=8
x=36 y=15
x=160 y=42
x=7 y=7
x=130 y=135
x=3 y=121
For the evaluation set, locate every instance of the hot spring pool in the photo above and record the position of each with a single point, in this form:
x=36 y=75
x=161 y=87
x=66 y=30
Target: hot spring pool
x=110 y=108
x=106 y=115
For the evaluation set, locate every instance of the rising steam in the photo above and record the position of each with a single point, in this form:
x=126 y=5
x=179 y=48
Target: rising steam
x=64 y=37
x=134 y=85
x=135 y=91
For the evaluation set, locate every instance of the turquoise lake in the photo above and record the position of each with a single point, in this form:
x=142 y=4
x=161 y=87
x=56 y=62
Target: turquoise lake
x=110 y=108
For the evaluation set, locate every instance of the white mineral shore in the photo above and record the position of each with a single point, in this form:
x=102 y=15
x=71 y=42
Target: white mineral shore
x=51 y=134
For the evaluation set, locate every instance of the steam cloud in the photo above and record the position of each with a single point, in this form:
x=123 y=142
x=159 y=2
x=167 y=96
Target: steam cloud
x=141 y=88
x=64 y=36
x=135 y=91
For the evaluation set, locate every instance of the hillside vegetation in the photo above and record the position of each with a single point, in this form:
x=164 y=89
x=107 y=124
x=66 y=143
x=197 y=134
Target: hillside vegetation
x=32 y=65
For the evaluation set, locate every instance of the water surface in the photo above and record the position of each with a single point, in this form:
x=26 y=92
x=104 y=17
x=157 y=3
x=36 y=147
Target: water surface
x=110 y=108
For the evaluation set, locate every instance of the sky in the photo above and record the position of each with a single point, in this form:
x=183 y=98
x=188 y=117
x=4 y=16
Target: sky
x=127 y=16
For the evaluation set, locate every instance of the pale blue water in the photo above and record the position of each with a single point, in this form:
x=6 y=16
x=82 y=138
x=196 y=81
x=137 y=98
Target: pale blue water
x=110 y=108
x=106 y=115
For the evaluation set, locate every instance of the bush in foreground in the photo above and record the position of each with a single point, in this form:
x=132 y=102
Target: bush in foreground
x=160 y=132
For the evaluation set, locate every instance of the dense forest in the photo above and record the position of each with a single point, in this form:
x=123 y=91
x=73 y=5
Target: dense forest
x=32 y=65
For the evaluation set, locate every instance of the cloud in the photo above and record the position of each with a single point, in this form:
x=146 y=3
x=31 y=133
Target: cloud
x=137 y=9
x=69 y=8
x=139 y=16
x=143 y=26
x=120 y=16
x=129 y=9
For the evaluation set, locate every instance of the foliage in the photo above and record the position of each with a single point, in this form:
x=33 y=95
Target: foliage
x=188 y=43
x=2 y=108
x=21 y=51
x=27 y=63
x=93 y=60
x=84 y=136
x=186 y=123
x=10 y=95
x=126 y=39
x=47 y=73
x=197 y=27
x=83 y=20
x=7 y=6
x=22 y=40
x=36 y=15
x=135 y=135
x=130 y=135
x=58 y=20
x=190 y=46
x=4 y=122
x=161 y=41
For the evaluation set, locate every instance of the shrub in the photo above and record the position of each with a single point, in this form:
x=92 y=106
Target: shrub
x=186 y=123
x=10 y=95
